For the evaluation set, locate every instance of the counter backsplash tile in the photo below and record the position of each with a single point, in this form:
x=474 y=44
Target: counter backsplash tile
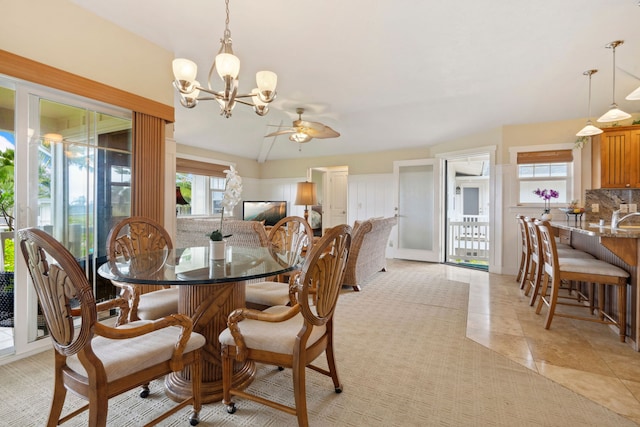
x=608 y=201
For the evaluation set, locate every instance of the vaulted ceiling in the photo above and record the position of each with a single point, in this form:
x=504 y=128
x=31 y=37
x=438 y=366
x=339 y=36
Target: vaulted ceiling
x=393 y=74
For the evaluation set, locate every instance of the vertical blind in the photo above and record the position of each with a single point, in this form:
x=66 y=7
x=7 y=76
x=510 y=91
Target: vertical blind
x=147 y=182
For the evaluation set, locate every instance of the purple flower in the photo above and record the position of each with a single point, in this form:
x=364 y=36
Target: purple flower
x=546 y=194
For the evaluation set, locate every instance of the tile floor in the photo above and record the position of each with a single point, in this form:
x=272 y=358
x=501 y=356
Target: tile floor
x=585 y=357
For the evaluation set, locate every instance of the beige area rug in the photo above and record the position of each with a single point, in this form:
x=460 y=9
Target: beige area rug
x=402 y=357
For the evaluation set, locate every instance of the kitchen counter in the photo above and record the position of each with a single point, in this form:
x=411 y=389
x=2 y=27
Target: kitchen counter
x=593 y=229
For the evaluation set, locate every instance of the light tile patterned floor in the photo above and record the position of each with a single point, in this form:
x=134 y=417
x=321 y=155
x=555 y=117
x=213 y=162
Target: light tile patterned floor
x=583 y=356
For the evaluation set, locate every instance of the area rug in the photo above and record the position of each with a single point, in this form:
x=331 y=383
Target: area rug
x=403 y=360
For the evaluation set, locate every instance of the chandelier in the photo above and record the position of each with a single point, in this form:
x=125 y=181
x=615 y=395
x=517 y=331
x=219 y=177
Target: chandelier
x=227 y=66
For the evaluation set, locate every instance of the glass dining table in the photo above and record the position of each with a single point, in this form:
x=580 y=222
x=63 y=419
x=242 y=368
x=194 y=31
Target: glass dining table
x=209 y=290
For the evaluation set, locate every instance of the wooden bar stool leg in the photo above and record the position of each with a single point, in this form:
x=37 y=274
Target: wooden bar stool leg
x=622 y=310
x=534 y=283
x=601 y=296
x=553 y=300
x=543 y=290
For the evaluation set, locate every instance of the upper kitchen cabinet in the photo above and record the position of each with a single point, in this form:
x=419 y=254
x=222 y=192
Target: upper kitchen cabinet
x=616 y=155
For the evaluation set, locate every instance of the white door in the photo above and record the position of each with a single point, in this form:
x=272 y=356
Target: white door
x=337 y=198
x=417 y=207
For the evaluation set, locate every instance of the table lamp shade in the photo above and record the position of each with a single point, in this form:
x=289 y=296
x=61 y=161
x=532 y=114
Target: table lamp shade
x=306 y=194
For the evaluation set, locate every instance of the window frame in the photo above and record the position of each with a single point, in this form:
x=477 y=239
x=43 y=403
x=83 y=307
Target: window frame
x=574 y=172
x=195 y=166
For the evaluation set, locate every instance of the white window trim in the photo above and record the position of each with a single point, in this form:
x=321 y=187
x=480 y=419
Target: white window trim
x=576 y=189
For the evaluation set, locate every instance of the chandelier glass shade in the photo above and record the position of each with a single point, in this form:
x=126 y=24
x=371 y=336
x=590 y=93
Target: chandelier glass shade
x=227 y=66
x=589 y=129
x=614 y=114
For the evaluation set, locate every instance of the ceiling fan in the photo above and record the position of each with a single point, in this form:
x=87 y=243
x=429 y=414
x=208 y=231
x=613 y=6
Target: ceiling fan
x=305 y=131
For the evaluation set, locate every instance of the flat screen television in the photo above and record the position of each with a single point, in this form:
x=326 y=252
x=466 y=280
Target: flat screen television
x=268 y=211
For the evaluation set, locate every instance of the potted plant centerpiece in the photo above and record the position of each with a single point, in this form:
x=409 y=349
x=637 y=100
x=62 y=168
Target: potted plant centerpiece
x=231 y=197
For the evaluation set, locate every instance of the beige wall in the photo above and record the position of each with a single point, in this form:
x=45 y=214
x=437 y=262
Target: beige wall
x=85 y=44
x=65 y=36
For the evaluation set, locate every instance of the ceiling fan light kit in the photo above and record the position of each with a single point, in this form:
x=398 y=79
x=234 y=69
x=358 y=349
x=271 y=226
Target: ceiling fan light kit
x=614 y=114
x=589 y=129
x=227 y=66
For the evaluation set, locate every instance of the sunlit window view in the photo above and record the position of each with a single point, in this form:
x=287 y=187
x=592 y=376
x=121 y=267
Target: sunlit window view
x=203 y=194
x=544 y=175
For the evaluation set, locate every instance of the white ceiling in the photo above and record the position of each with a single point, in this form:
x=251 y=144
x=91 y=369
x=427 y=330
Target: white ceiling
x=394 y=74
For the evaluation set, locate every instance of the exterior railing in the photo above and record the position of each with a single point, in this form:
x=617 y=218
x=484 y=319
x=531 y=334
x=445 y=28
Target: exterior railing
x=468 y=240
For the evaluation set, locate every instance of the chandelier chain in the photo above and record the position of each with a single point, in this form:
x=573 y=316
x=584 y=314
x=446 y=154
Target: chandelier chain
x=227 y=32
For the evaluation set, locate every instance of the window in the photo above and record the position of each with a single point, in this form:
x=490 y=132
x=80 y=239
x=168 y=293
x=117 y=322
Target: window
x=202 y=186
x=548 y=169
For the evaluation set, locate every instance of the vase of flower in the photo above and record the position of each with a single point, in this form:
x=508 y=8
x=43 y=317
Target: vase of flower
x=231 y=197
x=546 y=196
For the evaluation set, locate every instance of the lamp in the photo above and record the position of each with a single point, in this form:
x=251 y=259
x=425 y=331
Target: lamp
x=306 y=195
x=614 y=114
x=227 y=66
x=179 y=199
x=589 y=129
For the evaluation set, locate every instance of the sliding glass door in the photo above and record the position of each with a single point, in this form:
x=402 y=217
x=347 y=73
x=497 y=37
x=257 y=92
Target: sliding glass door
x=72 y=179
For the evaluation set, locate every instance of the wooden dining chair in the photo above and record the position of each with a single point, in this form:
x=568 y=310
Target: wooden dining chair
x=133 y=237
x=289 y=237
x=96 y=361
x=291 y=337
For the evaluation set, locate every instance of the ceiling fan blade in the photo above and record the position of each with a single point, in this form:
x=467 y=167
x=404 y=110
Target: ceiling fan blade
x=281 y=132
x=308 y=125
x=325 y=132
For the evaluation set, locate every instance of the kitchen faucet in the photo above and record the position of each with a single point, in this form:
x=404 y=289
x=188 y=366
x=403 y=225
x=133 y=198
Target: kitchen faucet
x=615 y=218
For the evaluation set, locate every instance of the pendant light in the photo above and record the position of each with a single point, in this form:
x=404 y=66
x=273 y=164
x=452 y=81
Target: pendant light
x=589 y=129
x=614 y=114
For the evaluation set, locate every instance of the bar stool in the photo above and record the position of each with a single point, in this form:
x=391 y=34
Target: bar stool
x=536 y=259
x=525 y=258
x=584 y=270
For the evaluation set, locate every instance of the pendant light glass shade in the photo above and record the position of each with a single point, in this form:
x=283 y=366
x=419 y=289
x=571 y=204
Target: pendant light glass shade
x=614 y=114
x=634 y=96
x=589 y=129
